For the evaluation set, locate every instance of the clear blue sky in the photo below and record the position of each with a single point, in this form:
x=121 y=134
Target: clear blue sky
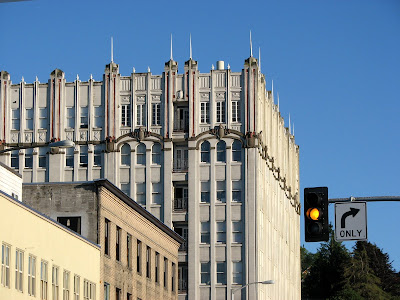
x=335 y=64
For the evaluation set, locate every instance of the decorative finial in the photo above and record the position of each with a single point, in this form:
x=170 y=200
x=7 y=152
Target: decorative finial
x=251 y=46
x=290 y=131
x=229 y=67
x=36 y=79
x=77 y=77
x=22 y=79
x=171 y=49
x=148 y=69
x=190 y=41
x=259 y=59
x=112 y=50
x=91 y=77
x=293 y=128
x=133 y=70
x=278 y=101
x=272 y=89
x=212 y=67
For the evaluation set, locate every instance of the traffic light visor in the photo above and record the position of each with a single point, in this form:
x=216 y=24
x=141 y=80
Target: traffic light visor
x=313 y=214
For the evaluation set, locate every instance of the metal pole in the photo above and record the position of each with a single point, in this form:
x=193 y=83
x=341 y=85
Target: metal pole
x=366 y=199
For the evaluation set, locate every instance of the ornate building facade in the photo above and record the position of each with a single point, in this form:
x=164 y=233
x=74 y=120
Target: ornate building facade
x=206 y=153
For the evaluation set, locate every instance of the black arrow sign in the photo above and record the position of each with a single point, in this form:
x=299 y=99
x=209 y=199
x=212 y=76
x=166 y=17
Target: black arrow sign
x=353 y=212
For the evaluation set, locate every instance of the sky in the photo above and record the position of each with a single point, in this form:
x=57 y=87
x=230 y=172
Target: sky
x=335 y=65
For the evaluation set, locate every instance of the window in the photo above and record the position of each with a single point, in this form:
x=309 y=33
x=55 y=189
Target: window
x=141 y=193
x=205 y=191
x=128 y=250
x=237 y=272
x=221 y=193
x=106 y=291
x=221 y=146
x=66 y=285
x=156 y=114
x=43 y=280
x=5 y=265
x=126 y=188
x=28 y=158
x=182 y=278
x=89 y=290
x=205 y=232
x=106 y=237
x=165 y=272
x=140 y=114
x=118 y=244
x=126 y=155
x=235 y=111
x=117 y=294
x=156 y=154
x=156 y=193
x=236 y=151
x=19 y=275
x=221 y=232
x=29 y=118
x=236 y=232
x=138 y=257
x=221 y=273
x=77 y=287
x=84 y=117
x=15 y=159
x=32 y=276
x=15 y=119
x=73 y=223
x=173 y=277
x=70 y=117
x=141 y=154
x=83 y=156
x=126 y=115
x=42 y=157
x=69 y=157
x=237 y=191
x=128 y=296
x=221 y=112
x=43 y=118
x=148 y=262
x=205 y=273
x=54 y=282
x=157 y=268
x=97 y=155
x=98 y=116
x=205 y=152
x=204 y=112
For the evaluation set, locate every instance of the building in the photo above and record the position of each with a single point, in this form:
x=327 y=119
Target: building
x=10 y=181
x=206 y=153
x=41 y=259
x=139 y=254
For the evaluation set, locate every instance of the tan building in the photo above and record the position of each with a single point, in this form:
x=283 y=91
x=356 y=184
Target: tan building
x=41 y=259
x=139 y=253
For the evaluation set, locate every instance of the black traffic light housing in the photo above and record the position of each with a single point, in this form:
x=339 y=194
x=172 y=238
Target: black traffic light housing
x=316 y=219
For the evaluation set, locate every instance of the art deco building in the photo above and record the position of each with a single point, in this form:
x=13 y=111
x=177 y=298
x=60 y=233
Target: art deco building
x=206 y=153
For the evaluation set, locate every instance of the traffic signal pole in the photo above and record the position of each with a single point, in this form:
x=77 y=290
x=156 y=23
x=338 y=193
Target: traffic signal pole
x=366 y=199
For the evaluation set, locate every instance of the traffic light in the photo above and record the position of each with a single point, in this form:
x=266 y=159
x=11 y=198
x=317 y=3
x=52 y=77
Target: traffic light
x=316 y=214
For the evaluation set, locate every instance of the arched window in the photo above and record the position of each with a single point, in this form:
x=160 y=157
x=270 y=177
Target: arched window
x=141 y=154
x=236 y=151
x=125 y=155
x=221 y=151
x=156 y=154
x=205 y=152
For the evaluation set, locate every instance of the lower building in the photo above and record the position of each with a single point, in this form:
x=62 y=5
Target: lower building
x=139 y=254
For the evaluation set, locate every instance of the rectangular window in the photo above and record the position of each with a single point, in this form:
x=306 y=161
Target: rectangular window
x=42 y=157
x=156 y=114
x=106 y=237
x=205 y=191
x=15 y=119
x=84 y=117
x=43 y=118
x=97 y=155
x=221 y=232
x=138 y=256
x=237 y=272
x=77 y=287
x=165 y=272
x=236 y=232
x=156 y=193
x=204 y=112
x=54 y=282
x=118 y=244
x=157 y=268
x=5 y=265
x=66 y=285
x=221 y=273
x=28 y=158
x=205 y=232
x=70 y=117
x=148 y=262
x=32 y=276
x=15 y=159
x=128 y=250
x=205 y=273
x=89 y=290
x=237 y=191
x=98 y=116
x=19 y=274
x=140 y=114
x=117 y=294
x=43 y=280
x=235 y=111
x=221 y=112
x=69 y=157
x=126 y=188
x=173 y=277
x=128 y=296
x=73 y=223
x=141 y=193
x=106 y=291
x=221 y=186
x=83 y=156
x=126 y=115
x=29 y=118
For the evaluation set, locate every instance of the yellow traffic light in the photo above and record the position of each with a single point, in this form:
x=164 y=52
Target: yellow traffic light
x=313 y=214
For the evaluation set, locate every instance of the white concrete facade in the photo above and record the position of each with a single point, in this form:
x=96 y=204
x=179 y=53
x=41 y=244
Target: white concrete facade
x=207 y=153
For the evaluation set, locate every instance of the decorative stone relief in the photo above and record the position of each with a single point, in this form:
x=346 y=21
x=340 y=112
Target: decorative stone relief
x=83 y=135
x=14 y=137
x=42 y=136
x=156 y=98
x=126 y=98
x=70 y=135
x=141 y=98
x=205 y=96
x=235 y=95
x=28 y=137
x=125 y=131
x=96 y=135
x=220 y=95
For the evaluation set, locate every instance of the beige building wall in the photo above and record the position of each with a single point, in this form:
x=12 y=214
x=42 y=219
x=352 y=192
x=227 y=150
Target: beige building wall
x=34 y=235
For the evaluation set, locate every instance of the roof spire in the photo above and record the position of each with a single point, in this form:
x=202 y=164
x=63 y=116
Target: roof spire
x=293 y=128
x=36 y=79
x=259 y=59
x=272 y=90
x=22 y=79
x=171 y=49
x=251 y=46
x=112 y=50
x=278 y=101
x=290 y=131
x=190 y=41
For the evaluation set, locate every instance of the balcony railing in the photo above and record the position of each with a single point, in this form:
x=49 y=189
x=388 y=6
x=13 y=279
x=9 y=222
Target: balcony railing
x=181 y=125
x=181 y=165
x=182 y=286
x=180 y=204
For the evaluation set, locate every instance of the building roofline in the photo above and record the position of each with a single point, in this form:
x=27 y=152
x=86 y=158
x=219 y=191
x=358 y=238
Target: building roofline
x=10 y=169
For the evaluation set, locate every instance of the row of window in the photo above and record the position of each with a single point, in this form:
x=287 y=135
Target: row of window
x=89 y=288
x=221 y=151
x=98 y=115
x=221 y=191
x=220 y=232
x=205 y=271
x=150 y=264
